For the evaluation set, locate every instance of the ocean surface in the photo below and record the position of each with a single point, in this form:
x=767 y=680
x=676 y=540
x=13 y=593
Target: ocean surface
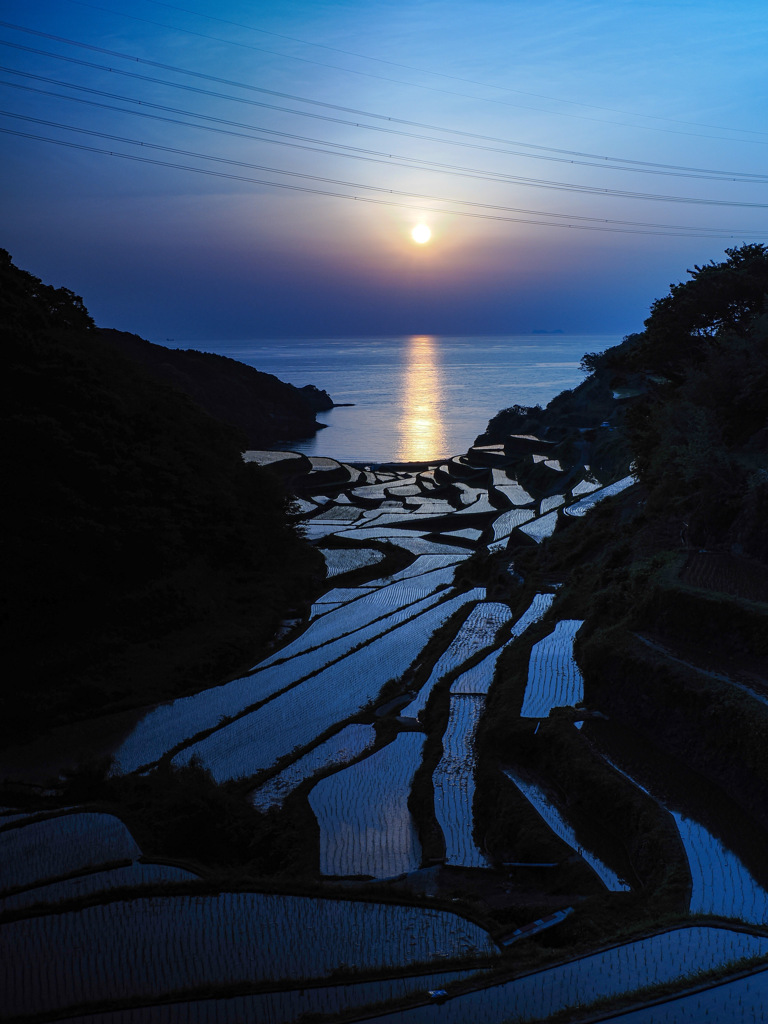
x=419 y=397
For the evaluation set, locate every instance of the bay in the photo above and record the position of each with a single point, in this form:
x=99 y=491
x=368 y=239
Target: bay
x=416 y=398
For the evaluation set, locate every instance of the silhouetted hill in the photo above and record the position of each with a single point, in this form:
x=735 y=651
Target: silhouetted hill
x=140 y=555
x=670 y=576
x=265 y=408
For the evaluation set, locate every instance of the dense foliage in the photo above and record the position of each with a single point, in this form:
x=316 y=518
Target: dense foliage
x=700 y=436
x=141 y=555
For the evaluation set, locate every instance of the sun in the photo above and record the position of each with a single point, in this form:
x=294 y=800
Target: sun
x=421 y=234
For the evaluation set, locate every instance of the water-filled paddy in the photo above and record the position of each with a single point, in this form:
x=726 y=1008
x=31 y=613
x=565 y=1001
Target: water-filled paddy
x=297 y=717
x=279 y=1007
x=42 y=850
x=454 y=783
x=653 y=961
x=341 y=748
x=365 y=825
x=554 y=679
x=154 y=945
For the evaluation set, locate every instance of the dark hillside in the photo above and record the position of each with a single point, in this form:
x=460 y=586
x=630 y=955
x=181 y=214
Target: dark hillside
x=263 y=407
x=140 y=554
x=670 y=576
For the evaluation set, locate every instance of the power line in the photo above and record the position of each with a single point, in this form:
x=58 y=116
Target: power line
x=607 y=161
x=417 y=85
x=427 y=71
x=341 y=182
x=316 y=102
x=687 y=233
x=353 y=150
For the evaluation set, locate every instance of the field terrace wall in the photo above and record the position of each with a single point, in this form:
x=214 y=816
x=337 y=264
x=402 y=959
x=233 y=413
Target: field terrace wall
x=700 y=720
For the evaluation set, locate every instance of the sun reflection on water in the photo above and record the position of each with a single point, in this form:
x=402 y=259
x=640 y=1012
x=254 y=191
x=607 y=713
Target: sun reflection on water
x=421 y=434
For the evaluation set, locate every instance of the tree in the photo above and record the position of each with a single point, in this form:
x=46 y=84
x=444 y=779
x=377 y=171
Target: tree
x=720 y=299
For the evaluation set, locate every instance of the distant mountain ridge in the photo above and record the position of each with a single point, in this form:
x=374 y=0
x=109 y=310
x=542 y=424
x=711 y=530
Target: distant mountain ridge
x=264 y=408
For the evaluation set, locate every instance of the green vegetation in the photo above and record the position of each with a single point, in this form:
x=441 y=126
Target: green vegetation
x=141 y=556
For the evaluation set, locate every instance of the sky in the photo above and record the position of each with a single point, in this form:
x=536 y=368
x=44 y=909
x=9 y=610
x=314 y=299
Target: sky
x=237 y=169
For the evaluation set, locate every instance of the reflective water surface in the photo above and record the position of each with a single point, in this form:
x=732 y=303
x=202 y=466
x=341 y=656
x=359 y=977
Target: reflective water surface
x=416 y=398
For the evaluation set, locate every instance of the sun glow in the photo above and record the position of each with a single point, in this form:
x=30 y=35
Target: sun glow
x=421 y=234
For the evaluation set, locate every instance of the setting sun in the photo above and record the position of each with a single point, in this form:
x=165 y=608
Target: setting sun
x=421 y=234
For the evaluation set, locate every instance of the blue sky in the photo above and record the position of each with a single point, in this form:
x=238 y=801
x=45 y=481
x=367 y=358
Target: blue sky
x=571 y=160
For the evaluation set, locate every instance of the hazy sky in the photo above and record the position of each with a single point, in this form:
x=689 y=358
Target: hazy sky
x=326 y=131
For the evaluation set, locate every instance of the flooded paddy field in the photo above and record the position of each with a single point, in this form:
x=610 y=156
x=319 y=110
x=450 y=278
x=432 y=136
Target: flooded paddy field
x=679 y=954
x=422 y=857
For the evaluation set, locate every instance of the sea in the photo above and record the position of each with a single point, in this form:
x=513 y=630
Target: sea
x=416 y=398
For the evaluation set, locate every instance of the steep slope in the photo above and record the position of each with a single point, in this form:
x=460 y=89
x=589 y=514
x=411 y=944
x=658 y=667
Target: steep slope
x=263 y=407
x=140 y=553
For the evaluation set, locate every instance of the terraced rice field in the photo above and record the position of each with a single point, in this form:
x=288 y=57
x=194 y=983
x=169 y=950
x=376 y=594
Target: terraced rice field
x=653 y=961
x=454 y=783
x=477 y=680
x=482 y=504
x=171 y=724
x=513 y=491
x=42 y=850
x=319 y=532
x=264 y=458
x=146 y=947
x=509 y=521
x=430 y=506
x=372 y=606
x=553 y=501
x=476 y=632
x=97 y=881
x=294 y=719
x=338 y=750
x=338 y=513
x=468 y=534
x=335 y=598
x=372 y=492
x=357 y=640
x=538 y=799
x=407 y=539
x=541 y=528
x=468 y=495
x=365 y=825
x=279 y=1007
x=585 y=487
x=721 y=883
x=8 y=817
x=423 y=564
x=580 y=508
x=535 y=612
x=741 y=1001
x=554 y=679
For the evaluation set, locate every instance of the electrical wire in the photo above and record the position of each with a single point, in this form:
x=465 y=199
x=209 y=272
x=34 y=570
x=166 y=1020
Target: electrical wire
x=425 y=71
x=365 y=199
x=430 y=88
x=320 y=103
x=653 y=228
x=351 y=150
